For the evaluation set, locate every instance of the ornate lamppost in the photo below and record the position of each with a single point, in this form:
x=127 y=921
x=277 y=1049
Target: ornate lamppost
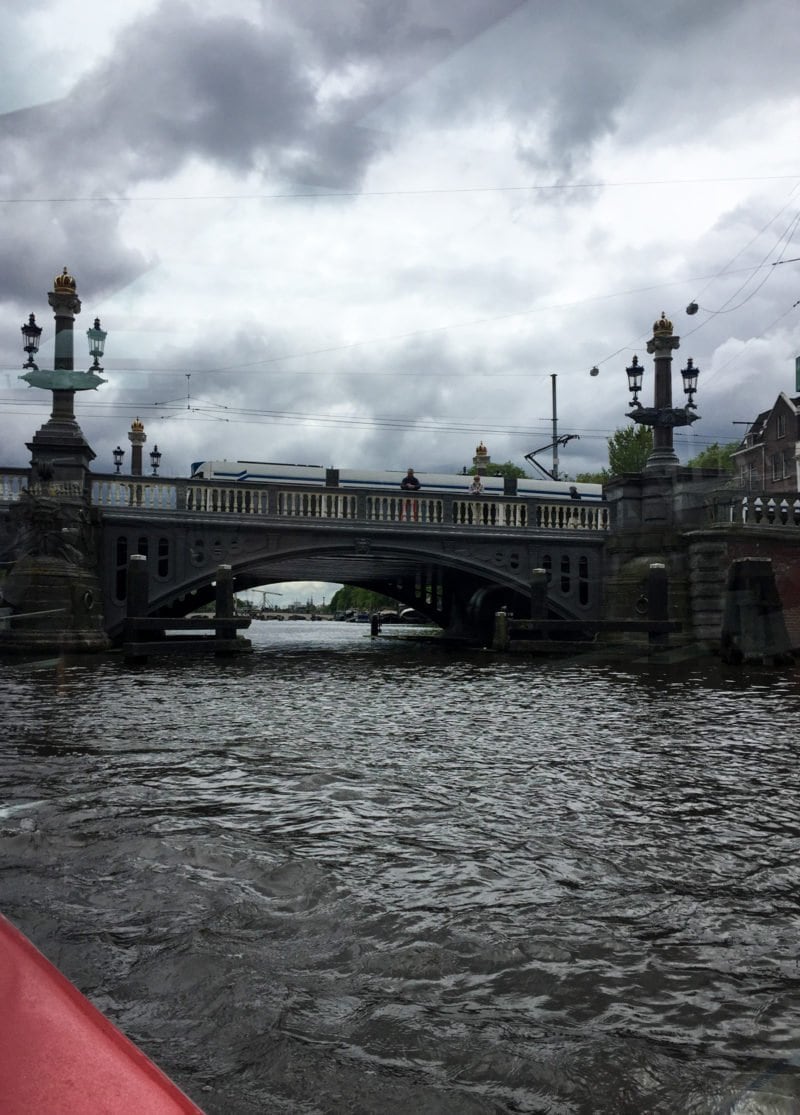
x=119 y=453
x=155 y=459
x=59 y=451
x=663 y=417
x=53 y=584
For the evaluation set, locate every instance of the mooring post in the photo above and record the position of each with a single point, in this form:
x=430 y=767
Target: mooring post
x=500 y=637
x=657 y=602
x=138 y=594
x=538 y=593
x=137 y=598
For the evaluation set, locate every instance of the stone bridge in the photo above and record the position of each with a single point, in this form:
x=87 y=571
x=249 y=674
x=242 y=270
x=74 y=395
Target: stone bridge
x=456 y=559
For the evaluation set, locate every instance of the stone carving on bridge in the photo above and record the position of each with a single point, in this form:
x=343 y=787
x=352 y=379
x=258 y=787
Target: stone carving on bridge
x=52 y=587
x=46 y=526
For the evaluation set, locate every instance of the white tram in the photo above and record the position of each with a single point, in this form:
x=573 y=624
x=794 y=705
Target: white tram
x=270 y=472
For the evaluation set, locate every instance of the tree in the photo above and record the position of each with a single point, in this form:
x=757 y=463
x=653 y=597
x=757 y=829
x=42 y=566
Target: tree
x=601 y=477
x=629 y=448
x=716 y=456
x=508 y=468
x=359 y=600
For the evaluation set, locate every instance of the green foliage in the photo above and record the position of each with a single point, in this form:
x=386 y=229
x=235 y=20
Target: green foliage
x=629 y=448
x=359 y=600
x=601 y=477
x=508 y=468
x=716 y=456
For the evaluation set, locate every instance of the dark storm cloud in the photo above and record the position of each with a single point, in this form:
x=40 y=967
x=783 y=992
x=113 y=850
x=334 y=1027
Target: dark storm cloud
x=245 y=96
x=251 y=97
x=568 y=75
x=406 y=38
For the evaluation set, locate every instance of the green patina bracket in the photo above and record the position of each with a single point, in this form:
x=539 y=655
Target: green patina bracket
x=62 y=379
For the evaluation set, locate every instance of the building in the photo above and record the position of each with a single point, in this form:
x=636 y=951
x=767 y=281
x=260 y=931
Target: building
x=768 y=459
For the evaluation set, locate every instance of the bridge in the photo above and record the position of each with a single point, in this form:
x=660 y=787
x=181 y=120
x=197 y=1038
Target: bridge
x=69 y=536
x=455 y=559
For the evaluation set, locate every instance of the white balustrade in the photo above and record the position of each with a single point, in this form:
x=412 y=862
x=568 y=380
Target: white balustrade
x=153 y=495
x=768 y=511
x=210 y=499
x=572 y=516
x=11 y=485
x=204 y=497
x=404 y=509
x=489 y=513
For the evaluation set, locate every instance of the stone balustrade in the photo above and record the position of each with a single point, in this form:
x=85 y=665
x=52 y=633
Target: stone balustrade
x=208 y=497
x=767 y=511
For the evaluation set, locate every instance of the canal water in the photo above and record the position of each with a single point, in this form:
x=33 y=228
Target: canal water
x=376 y=876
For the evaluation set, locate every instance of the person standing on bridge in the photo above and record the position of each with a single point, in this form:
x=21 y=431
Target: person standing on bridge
x=409 y=483
x=476 y=488
x=409 y=508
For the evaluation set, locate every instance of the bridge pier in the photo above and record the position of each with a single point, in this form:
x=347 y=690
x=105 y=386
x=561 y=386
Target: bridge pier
x=52 y=591
x=753 y=626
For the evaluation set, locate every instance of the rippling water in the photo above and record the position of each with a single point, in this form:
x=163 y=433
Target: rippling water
x=355 y=875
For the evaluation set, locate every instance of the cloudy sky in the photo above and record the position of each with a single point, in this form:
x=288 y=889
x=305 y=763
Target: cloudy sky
x=370 y=232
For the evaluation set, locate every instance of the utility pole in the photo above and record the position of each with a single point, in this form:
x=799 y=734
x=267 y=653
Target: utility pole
x=553 y=378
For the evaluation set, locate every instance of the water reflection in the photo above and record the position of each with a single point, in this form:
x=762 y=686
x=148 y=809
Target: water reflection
x=348 y=874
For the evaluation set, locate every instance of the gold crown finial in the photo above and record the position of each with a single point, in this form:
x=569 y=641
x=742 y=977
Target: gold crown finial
x=663 y=325
x=481 y=449
x=137 y=426
x=64 y=282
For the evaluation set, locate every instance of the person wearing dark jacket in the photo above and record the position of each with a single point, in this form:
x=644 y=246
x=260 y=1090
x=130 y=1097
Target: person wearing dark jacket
x=409 y=483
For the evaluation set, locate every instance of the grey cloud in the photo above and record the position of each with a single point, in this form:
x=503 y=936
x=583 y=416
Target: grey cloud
x=569 y=74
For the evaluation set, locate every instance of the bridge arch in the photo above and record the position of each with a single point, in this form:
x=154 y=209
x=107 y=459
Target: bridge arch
x=458 y=583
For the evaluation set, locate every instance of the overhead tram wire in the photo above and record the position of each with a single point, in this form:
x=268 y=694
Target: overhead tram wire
x=751 y=241
x=328 y=350
x=249 y=418
x=726 y=308
x=723 y=271
x=419 y=192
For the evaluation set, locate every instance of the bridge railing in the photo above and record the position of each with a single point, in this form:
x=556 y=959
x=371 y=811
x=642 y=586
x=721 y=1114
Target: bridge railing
x=12 y=481
x=208 y=497
x=749 y=509
x=767 y=511
x=135 y=491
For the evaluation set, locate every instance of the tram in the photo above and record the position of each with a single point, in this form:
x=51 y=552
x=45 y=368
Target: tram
x=272 y=472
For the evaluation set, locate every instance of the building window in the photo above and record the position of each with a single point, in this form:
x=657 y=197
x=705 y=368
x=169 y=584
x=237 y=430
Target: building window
x=777 y=462
x=781 y=425
x=788 y=463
